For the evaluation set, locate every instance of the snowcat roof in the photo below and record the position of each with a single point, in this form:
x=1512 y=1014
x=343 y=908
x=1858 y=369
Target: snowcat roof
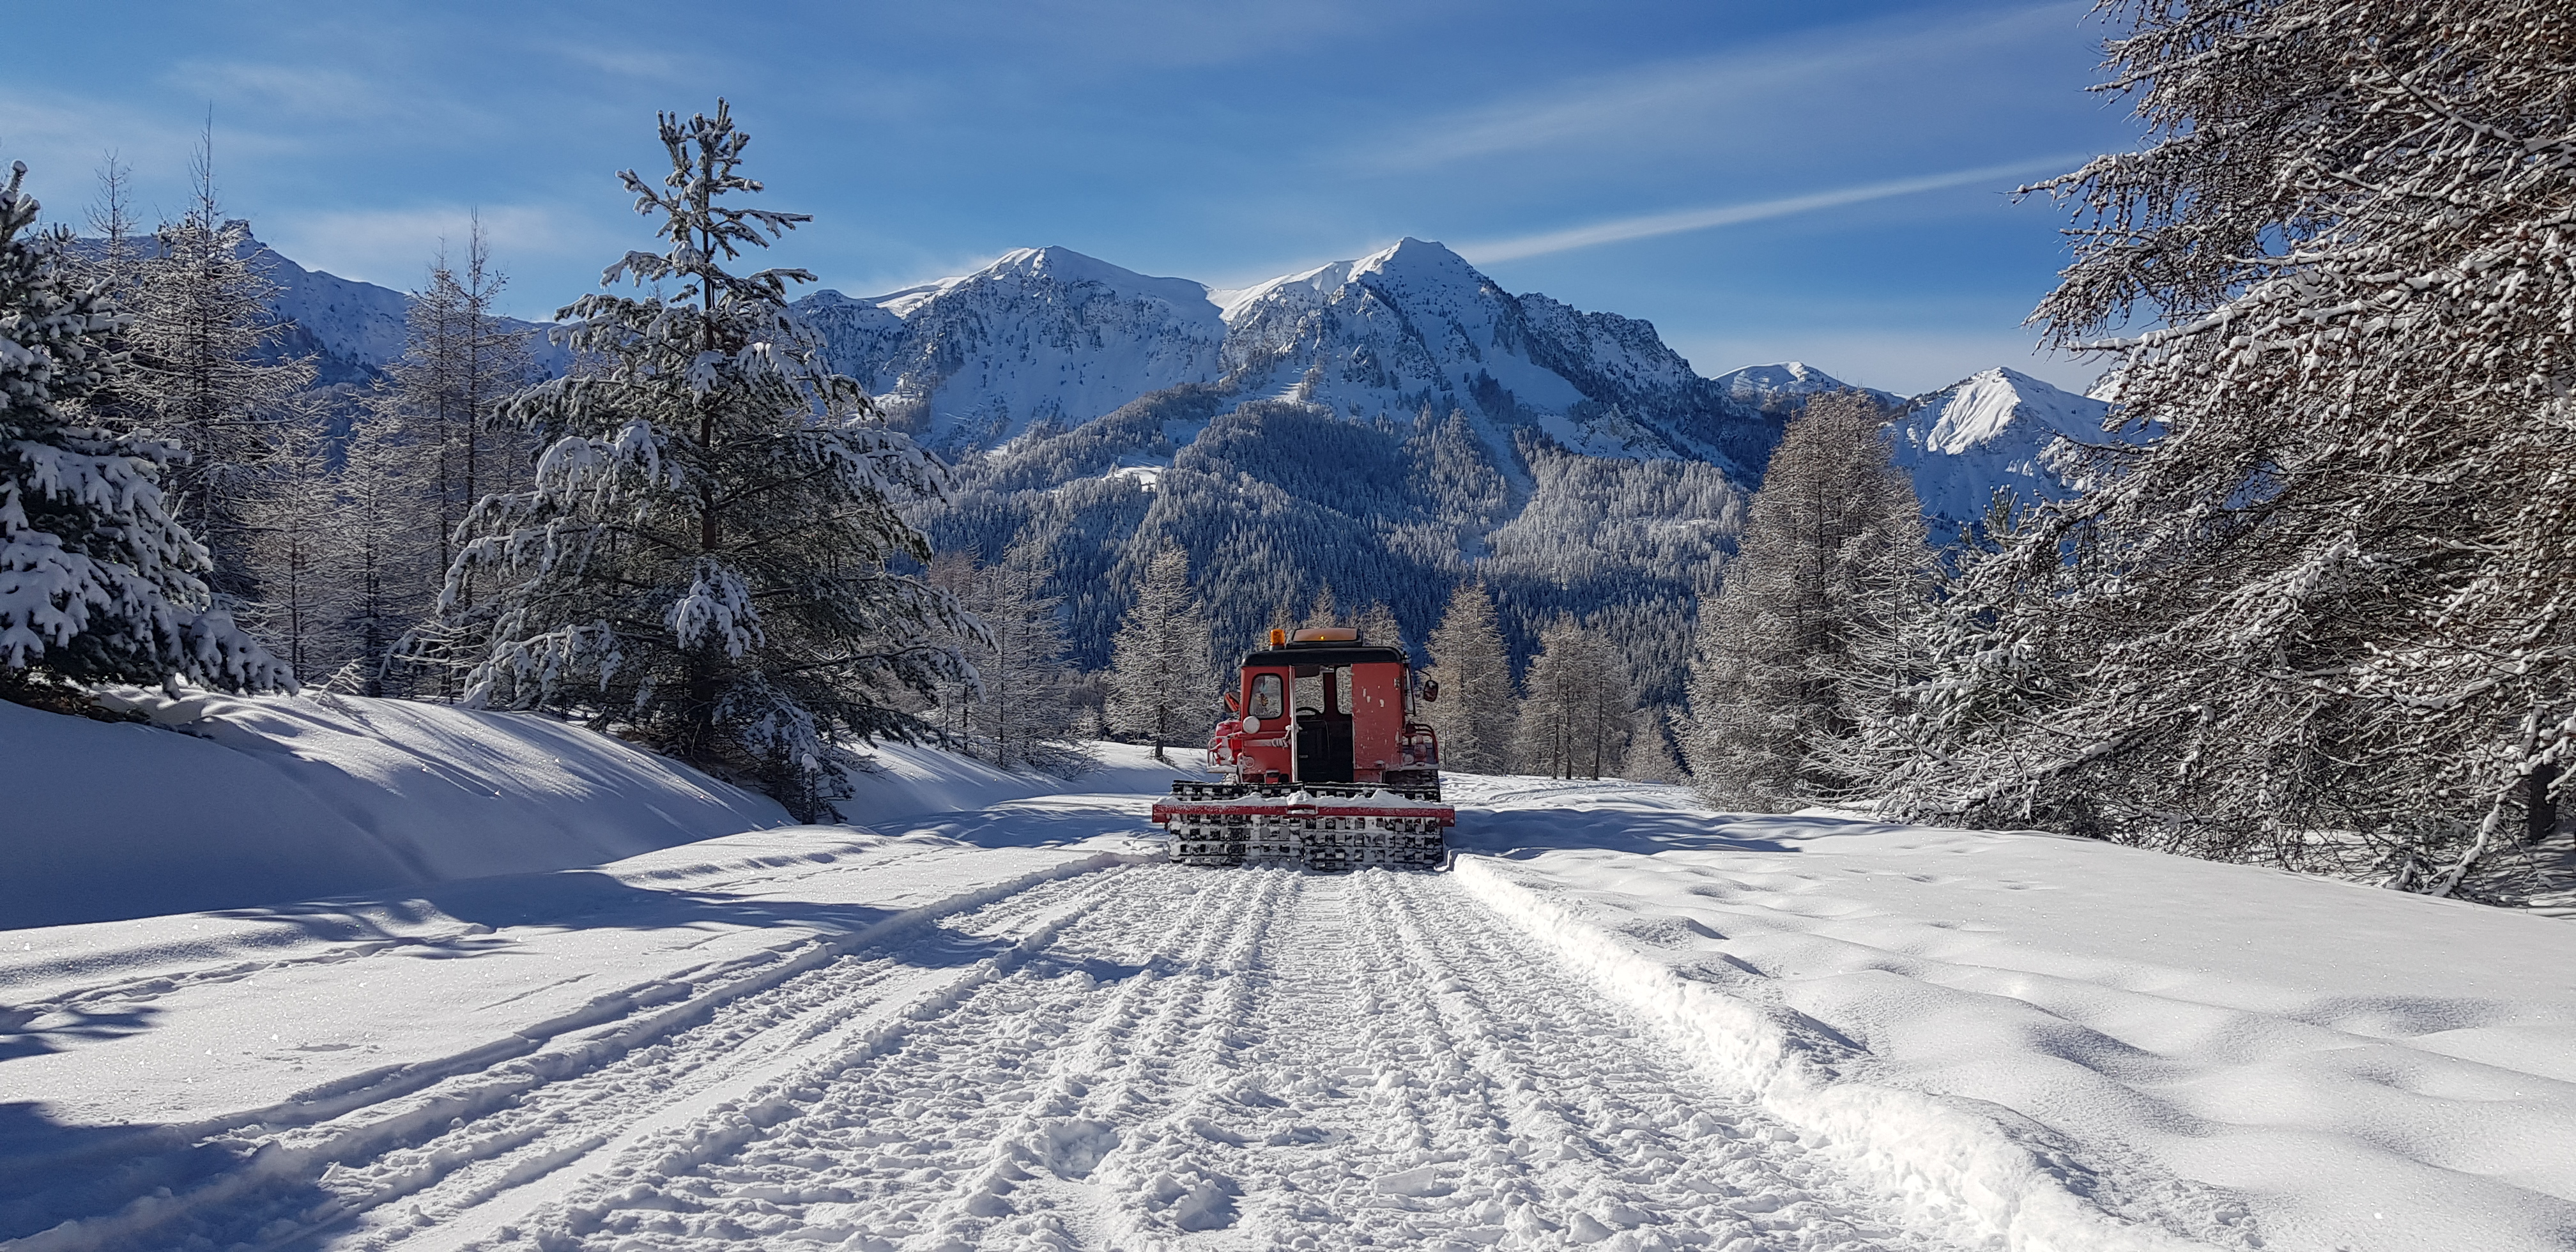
x=1324 y=654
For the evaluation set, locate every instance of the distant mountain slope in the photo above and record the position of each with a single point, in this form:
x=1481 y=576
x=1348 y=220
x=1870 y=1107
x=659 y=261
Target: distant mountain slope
x=1998 y=429
x=1043 y=336
x=357 y=328
x=1046 y=338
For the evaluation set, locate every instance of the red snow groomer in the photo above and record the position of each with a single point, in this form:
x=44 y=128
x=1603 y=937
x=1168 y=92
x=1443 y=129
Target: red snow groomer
x=1324 y=765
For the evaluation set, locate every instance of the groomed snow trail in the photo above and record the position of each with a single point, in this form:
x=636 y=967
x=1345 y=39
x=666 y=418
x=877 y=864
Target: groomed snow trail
x=1142 y=1058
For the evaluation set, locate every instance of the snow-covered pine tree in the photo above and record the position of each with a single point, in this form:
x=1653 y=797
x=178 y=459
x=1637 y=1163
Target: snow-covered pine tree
x=1162 y=680
x=2330 y=625
x=1833 y=529
x=1477 y=712
x=201 y=334
x=97 y=582
x=702 y=559
x=1579 y=701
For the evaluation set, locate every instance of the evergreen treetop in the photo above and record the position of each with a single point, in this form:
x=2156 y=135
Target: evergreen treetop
x=701 y=558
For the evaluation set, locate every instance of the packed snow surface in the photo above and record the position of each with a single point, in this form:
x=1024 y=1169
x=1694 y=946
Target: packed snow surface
x=1622 y=1021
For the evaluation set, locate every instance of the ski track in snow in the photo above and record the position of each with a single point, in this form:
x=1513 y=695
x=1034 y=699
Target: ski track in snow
x=1139 y=1058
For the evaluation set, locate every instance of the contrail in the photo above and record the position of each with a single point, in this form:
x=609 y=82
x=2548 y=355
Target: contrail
x=1654 y=224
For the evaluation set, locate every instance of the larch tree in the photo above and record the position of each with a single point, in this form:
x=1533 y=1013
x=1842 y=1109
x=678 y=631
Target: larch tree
x=98 y=583
x=459 y=364
x=1377 y=625
x=1162 y=679
x=293 y=517
x=2325 y=617
x=1651 y=756
x=1478 y=710
x=1834 y=528
x=381 y=546
x=701 y=561
x=1577 y=706
x=201 y=338
x=1022 y=717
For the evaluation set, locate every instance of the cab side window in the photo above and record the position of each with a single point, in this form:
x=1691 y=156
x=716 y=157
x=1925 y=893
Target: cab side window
x=1265 y=696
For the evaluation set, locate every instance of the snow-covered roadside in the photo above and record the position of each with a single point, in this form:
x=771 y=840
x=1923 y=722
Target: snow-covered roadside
x=2015 y=1019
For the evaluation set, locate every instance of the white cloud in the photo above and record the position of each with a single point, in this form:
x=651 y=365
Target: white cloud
x=1650 y=225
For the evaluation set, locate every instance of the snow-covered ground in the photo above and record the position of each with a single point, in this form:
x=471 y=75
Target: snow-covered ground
x=1621 y=1022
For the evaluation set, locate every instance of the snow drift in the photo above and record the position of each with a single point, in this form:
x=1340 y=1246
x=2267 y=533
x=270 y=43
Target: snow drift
x=226 y=801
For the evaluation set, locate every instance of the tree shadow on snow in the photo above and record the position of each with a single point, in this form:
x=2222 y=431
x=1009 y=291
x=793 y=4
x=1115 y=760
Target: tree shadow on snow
x=1038 y=822
x=24 y=1033
x=52 y=1172
x=1523 y=833
x=582 y=900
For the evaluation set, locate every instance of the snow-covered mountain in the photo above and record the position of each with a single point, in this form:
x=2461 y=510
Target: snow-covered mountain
x=354 y=328
x=1998 y=429
x=1041 y=337
x=1049 y=338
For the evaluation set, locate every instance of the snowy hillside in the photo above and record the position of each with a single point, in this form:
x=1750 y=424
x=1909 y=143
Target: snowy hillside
x=1998 y=429
x=227 y=801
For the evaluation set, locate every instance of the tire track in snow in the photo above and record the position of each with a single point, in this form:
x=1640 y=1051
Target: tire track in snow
x=447 y=1147
x=1245 y=1059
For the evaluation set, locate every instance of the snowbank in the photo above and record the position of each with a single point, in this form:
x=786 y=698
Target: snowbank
x=910 y=780
x=2049 y=1029
x=231 y=801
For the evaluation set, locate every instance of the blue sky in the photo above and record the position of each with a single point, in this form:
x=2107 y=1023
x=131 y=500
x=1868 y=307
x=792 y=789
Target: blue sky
x=1824 y=180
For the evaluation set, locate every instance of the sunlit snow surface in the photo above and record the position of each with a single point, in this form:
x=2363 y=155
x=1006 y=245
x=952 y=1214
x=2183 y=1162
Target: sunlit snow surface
x=1621 y=1022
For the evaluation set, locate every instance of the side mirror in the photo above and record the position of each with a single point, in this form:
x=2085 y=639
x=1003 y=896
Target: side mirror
x=1430 y=690
x=1233 y=703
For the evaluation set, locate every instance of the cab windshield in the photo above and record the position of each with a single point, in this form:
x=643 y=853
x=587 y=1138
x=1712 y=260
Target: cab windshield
x=1265 y=696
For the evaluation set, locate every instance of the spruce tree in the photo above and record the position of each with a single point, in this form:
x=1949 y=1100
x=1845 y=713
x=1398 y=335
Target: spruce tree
x=1833 y=528
x=701 y=562
x=1477 y=712
x=98 y=583
x=1162 y=684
